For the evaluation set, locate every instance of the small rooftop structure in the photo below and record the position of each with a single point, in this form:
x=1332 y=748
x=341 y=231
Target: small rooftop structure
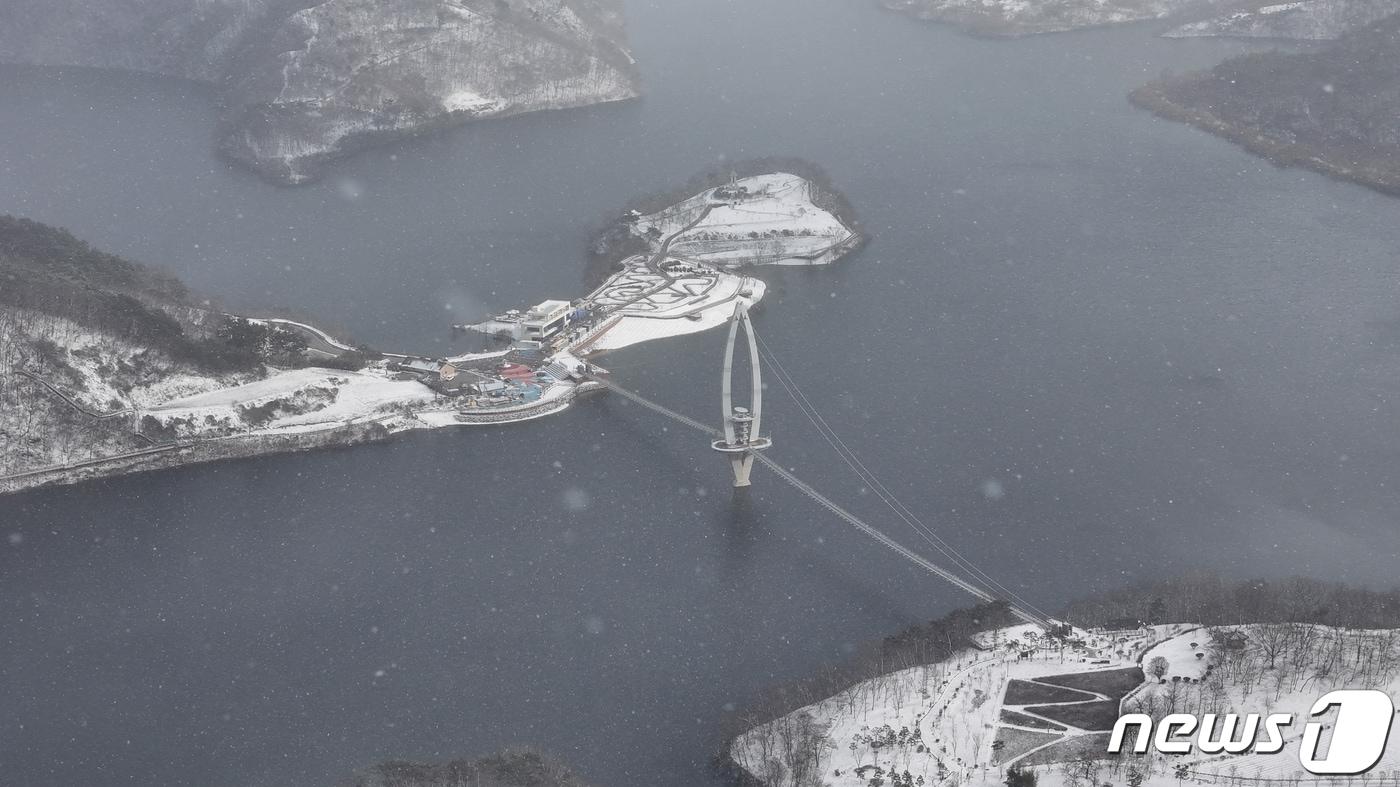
x=417 y=366
x=466 y=381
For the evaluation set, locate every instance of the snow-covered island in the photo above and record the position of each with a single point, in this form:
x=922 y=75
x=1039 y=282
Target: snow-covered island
x=300 y=83
x=685 y=276
x=1019 y=701
x=83 y=395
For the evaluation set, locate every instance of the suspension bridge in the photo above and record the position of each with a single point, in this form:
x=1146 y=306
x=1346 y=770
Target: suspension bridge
x=741 y=440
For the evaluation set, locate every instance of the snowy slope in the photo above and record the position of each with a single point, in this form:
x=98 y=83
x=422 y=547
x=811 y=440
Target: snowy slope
x=1311 y=20
x=302 y=81
x=303 y=398
x=939 y=722
x=776 y=223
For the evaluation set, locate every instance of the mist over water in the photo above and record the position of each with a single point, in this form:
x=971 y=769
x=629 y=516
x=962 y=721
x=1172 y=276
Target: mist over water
x=1086 y=345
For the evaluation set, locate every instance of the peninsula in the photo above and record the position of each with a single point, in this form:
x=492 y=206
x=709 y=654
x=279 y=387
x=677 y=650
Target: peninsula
x=987 y=702
x=1334 y=110
x=301 y=82
x=108 y=367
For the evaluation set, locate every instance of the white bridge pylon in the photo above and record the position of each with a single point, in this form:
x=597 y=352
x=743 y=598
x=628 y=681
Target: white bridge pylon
x=741 y=424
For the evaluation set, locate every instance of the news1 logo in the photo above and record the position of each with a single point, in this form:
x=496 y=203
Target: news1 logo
x=1358 y=737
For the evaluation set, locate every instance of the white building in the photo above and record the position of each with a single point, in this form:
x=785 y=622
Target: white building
x=545 y=319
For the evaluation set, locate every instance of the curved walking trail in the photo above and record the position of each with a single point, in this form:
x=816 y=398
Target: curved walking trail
x=654 y=263
x=71 y=403
x=925 y=721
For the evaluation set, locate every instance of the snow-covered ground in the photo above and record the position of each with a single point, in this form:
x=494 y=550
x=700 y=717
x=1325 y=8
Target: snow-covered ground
x=1273 y=668
x=777 y=222
x=295 y=399
x=942 y=723
x=99 y=360
x=685 y=284
x=309 y=400
x=644 y=306
x=101 y=391
x=1186 y=655
x=932 y=721
x=97 y=372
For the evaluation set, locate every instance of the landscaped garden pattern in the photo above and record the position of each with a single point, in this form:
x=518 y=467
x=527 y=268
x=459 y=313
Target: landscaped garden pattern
x=1030 y=722
x=1081 y=704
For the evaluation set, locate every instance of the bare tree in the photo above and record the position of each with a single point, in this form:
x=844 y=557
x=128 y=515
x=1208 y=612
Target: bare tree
x=1271 y=640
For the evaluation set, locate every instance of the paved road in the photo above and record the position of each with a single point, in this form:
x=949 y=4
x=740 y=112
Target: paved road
x=317 y=340
x=654 y=264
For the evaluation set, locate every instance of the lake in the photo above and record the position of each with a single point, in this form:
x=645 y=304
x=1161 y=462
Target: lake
x=1086 y=345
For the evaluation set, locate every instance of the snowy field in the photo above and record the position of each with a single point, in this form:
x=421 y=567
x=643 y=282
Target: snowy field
x=1019 y=699
x=133 y=388
x=777 y=223
x=648 y=307
x=297 y=399
x=934 y=722
x=1278 y=668
x=774 y=222
x=309 y=400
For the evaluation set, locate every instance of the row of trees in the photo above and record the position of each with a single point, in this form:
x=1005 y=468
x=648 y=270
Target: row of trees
x=793 y=748
x=38 y=428
x=1252 y=667
x=920 y=644
x=27 y=245
x=512 y=768
x=260 y=342
x=1336 y=107
x=1204 y=597
x=46 y=270
x=615 y=241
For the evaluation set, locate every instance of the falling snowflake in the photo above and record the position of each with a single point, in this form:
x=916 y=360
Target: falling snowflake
x=575 y=499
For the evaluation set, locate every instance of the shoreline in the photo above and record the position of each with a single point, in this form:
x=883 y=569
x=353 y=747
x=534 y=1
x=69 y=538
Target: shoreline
x=951 y=716
x=691 y=277
x=1154 y=97
x=309 y=168
x=270 y=443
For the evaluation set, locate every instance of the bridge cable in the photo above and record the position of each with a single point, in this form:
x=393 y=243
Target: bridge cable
x=862 y=472
x=902 y=511
x=782 y=472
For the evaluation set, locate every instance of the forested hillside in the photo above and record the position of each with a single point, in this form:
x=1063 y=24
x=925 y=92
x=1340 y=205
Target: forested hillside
x=1210 y=600
x=300 y=82
x=1336 y=110
x=87 y=338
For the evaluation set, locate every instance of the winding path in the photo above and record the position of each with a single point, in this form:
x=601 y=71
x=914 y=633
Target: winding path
x=954 y=681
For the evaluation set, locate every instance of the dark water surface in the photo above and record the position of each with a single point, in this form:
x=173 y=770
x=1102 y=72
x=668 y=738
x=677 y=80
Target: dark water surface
x=1166 y=353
